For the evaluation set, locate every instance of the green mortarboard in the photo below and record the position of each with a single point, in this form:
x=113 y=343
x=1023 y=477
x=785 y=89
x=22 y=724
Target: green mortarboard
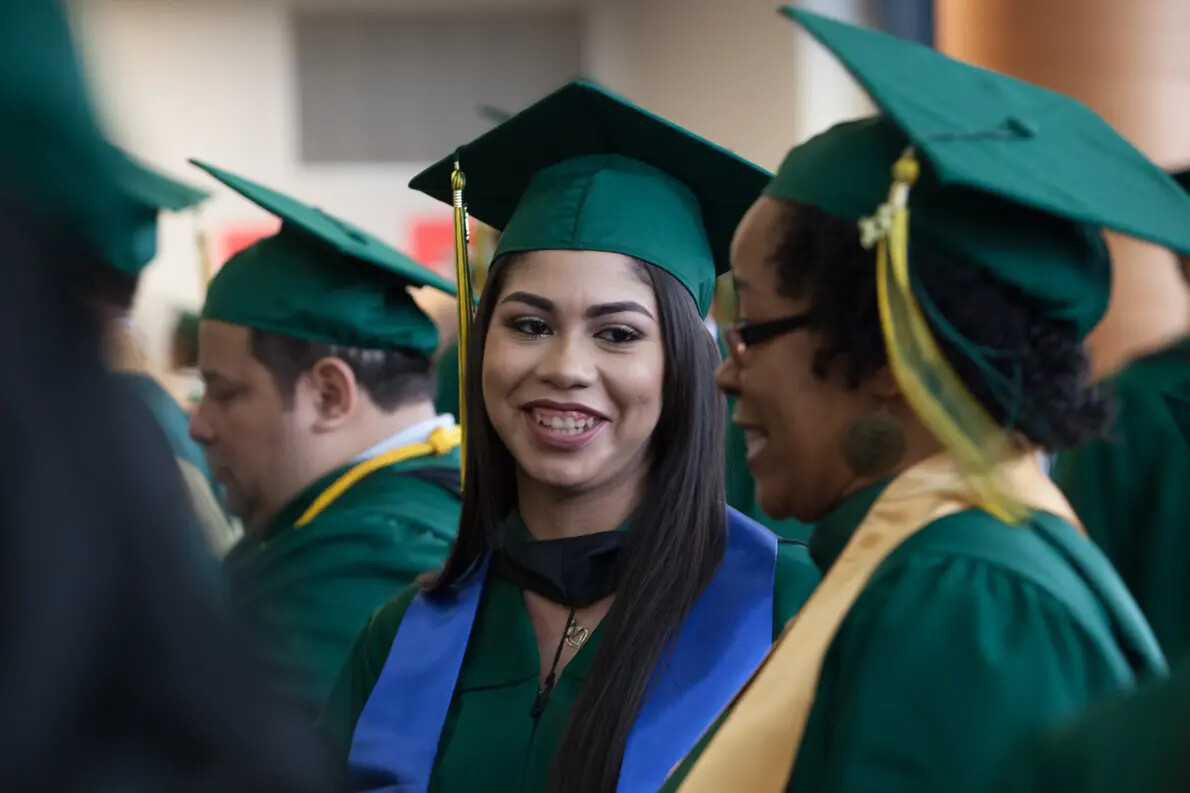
x=583 y=169
x=53 y=156
x=151 y=192
x=322 y=279
x=1015 y=178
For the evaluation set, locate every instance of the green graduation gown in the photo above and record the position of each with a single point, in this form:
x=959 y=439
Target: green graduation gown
x=308 y=591
x=1131 y=492
x=446 y=400
x=741 y=489
x=489 y=734
x=948 y=658
x=1139 y=743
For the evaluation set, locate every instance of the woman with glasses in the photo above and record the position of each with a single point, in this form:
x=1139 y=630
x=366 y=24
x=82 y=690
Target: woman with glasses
x=601 y=606
x=914 y=290
x=741 y=488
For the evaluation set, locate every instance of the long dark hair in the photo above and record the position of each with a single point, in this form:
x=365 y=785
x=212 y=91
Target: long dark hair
x=677 y=538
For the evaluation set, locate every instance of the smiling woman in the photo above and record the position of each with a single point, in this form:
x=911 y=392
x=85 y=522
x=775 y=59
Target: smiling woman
x=601 y=604
x=573 y=372
x=914 y=291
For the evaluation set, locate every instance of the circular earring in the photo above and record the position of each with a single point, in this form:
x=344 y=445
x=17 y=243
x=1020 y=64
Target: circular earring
x=874 y=444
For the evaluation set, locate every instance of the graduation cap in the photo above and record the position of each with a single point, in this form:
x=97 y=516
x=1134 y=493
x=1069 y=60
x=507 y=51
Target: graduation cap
x=583 y=169
x=322 y=279
x=1014 y=177
x=149 y=193
x=993 y=172
x=53 y=156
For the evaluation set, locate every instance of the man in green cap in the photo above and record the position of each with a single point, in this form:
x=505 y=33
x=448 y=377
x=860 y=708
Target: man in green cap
x=111 y=290
x=318 y=418
x=1130 y=488
x=914 y=289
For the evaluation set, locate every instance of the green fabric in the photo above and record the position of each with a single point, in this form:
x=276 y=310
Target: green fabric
x=968 y=639
x=498 y=684
x=53 y=157
x=446 y=399
x=1015 y=178
x=152 y=192
x=321 y=279
x=741 y=488
x=1130 y=491
x=174 y=421
x=1130 y=744
x=309 y=591
x=186 y=328
x=583 y=169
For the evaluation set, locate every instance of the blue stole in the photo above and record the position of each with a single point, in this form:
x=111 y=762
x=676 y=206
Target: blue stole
x=722 y=641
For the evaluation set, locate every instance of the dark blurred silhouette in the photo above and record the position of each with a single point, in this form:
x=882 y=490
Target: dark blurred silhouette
x=120 y=669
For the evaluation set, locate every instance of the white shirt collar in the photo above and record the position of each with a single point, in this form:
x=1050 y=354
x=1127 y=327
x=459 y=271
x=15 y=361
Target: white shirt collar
x=414 y=433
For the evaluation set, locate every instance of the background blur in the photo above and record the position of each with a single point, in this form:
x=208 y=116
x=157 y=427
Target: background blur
x=340 y=102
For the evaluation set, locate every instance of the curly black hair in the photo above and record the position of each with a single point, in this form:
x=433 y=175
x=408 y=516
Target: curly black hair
x=819 y=256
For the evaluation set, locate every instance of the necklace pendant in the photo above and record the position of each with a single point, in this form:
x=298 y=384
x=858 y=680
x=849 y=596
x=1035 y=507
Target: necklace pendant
x=577 y=635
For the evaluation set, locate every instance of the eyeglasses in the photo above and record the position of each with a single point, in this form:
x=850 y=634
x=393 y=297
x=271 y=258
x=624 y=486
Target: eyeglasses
x=742 y=335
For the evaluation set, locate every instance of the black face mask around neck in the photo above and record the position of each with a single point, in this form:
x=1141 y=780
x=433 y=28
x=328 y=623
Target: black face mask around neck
x=573 y=572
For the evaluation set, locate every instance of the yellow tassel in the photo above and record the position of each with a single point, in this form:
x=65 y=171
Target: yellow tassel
x=928 y=382
x=465 y=301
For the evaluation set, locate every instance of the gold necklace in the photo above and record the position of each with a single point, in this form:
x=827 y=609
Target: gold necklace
x=576 y=635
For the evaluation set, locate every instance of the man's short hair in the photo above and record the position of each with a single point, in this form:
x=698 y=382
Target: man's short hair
x=391 y=378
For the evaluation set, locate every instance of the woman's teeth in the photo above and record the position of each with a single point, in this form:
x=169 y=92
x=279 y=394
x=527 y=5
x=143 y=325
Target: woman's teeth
x=567 y=424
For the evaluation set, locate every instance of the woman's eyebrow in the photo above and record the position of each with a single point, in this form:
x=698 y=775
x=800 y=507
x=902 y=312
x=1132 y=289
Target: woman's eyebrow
x=619 y=307
x=528 y=298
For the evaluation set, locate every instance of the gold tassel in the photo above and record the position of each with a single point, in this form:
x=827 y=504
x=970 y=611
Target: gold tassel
x=928 y=382
x=465 y=300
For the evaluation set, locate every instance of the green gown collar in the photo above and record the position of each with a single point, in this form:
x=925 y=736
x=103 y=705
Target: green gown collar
x=514 y=527
x=503 y=646
x=831 y=534
x=297 y=506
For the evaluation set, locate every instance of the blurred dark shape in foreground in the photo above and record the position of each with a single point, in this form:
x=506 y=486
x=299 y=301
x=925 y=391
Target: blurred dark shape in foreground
x=120 y=669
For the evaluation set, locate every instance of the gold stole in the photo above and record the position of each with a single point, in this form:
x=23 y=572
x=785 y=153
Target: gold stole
x=756 y=746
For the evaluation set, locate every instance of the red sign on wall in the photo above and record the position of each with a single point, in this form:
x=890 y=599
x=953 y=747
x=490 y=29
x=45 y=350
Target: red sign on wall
x=433 y=244
x=232 y=239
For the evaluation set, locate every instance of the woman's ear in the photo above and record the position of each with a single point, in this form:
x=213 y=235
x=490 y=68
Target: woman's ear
x=883 y=386
x=335 y=393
